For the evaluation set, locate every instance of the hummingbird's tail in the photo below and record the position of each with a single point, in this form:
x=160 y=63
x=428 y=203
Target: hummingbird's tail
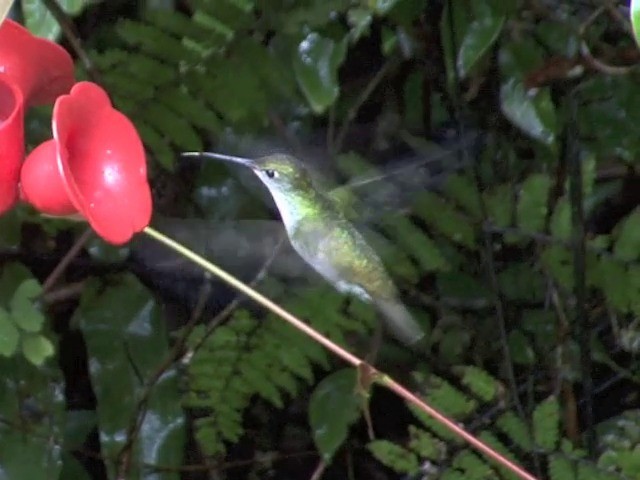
x=400 y=322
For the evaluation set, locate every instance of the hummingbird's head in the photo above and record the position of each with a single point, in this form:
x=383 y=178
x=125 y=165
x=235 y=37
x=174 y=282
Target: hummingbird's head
x=279 y=172
x=282 y=172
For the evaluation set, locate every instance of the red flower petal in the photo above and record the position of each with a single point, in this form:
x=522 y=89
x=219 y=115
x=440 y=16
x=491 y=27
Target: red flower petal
x=41 y=69
x=100 y=162
x=11 y=142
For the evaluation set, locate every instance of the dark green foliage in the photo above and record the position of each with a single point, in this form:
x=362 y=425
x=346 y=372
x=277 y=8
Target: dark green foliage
x=484 y=259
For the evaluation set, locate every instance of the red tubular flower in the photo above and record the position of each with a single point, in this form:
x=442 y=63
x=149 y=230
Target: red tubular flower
x=94 y=165
x=33 y=71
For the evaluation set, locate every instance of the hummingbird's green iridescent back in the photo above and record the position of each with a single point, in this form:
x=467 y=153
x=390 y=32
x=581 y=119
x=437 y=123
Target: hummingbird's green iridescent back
x=326 y=240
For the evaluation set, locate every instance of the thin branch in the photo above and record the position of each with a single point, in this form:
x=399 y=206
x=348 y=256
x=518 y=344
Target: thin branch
x=380 y=378
x=336 y=145
x=71 y=34
x=579 y=270
x=66 y=260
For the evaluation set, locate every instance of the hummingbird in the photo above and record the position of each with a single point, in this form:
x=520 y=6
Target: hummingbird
x=326 y=240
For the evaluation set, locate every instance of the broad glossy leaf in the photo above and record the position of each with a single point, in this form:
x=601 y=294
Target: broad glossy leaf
x=532 y=111
x=480 y=36
x=334 y=406
x=359 y=20
x=381 y=7
x=126 y=341
x=316 y=64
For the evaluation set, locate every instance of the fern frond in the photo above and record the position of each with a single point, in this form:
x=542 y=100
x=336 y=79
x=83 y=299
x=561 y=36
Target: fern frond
x=516 y=429
x=479 y=382
x=561 y=468
x=394 y=456
x=546 y=424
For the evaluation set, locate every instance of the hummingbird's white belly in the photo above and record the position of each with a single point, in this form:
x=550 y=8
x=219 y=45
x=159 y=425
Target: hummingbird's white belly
x=322 y=263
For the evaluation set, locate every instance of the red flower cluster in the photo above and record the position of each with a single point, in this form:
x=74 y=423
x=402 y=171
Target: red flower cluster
x=95 y=163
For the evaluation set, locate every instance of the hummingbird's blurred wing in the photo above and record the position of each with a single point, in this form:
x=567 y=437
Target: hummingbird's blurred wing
x=392 y=186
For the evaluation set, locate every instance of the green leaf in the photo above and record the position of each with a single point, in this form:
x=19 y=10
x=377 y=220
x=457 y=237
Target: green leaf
x=516 y=429
x=415 y=242
x=381 y=7
x=359 y=20
x=532 y=112
x=41 y=22
x=32 y=457
x=9 y=334
x=532 y=202
x=37 y=348
x=127 y=341
x=316 y=64
x=521 y=351
x=627 y=244
x=500 y=205
x=462 y=189
x=334 y=406
x=24 y=311
x=480 y=36
x=561 y=468
x=546 y=424
x=481 y=383
x=559 y=261
x=394 y=456
x=446 y=219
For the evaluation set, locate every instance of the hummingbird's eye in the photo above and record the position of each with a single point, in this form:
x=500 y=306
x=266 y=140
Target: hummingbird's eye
x=271 y=173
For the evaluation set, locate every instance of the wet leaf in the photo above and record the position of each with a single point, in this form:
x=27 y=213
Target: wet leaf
x=333 y=408
x=126 y=340
x=316 y=64
x=381 y=7
x=533 y=111
x=479 y=37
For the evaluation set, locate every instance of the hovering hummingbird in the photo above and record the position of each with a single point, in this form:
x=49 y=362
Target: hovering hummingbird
x=321 y=234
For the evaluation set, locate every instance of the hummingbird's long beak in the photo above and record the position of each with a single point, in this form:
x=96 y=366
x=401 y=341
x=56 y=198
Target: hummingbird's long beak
x=247 y=162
